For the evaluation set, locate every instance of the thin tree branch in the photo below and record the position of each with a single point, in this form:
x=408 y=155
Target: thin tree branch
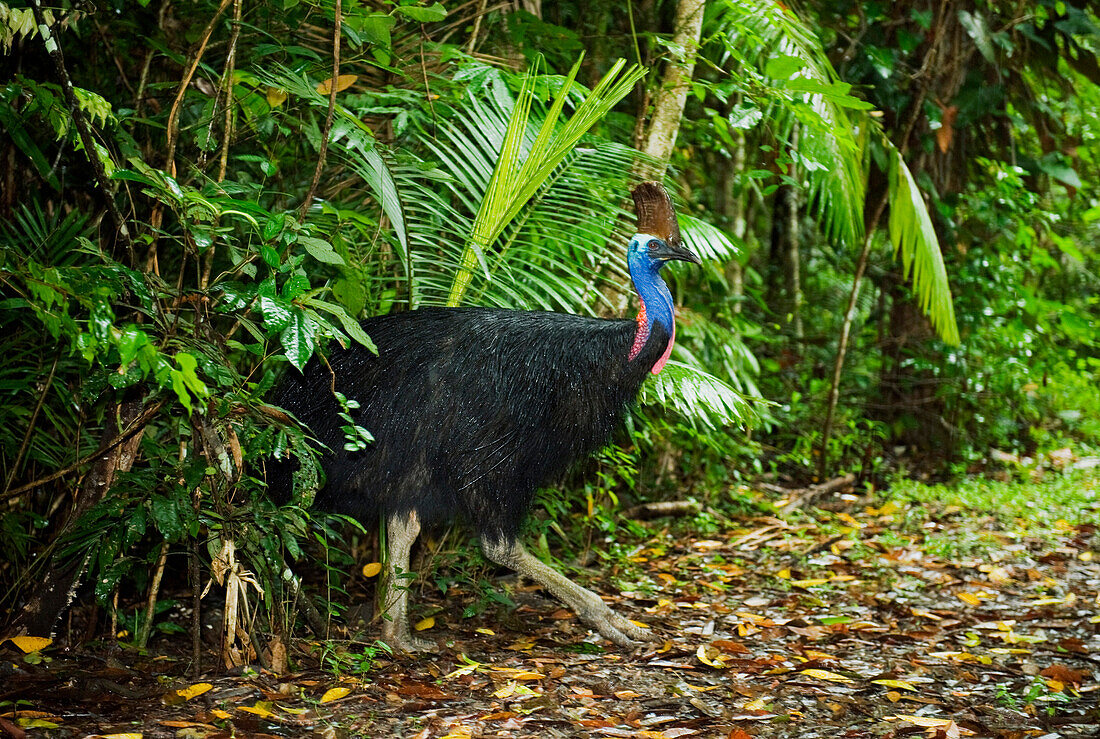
x=174 y=112
x=82 y=127
x=30 y=425
x=328 y=118
x=872 y=225
x=136 y=426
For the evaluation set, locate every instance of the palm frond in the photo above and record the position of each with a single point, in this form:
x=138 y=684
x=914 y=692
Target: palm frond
x=707 y=240
x=513 y=184
x=698 y=396
x=784 y=71
x=915 y=242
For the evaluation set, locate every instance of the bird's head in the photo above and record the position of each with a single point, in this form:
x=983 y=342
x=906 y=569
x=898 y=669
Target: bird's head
x=647 y=250
x=658 y=238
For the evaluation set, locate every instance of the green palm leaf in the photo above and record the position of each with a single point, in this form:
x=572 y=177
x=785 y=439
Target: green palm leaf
x=513 y=184
x=914 y=238
x=698 y=396
x=783 y=72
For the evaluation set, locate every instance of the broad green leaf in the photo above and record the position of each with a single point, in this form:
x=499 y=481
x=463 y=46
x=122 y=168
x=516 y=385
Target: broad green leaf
x=783 y=66
x=320 y=250
x=295 y=285
x=423 y=14
x=375 y=28
x=349 y=324
x=277 y=312
x=298 y=339
x=352 y=294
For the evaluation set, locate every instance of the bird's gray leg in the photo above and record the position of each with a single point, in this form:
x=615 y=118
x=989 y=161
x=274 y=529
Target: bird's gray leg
x=588 y=606
x=401 y=532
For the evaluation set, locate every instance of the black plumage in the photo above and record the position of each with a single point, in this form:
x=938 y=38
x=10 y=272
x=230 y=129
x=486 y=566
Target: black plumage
x=472 y=410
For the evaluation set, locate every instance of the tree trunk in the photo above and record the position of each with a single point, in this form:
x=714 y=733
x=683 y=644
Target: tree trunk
x=731 y=206
x=40 y=614
x=668 y=104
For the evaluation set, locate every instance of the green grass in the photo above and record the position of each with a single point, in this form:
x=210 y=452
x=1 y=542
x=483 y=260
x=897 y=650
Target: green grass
x=1072 y=497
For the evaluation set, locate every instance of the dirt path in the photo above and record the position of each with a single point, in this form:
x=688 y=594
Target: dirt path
x=834 y=627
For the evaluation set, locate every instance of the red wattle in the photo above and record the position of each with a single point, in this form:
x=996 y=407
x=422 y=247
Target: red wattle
x=641 y=335
x=660 y=364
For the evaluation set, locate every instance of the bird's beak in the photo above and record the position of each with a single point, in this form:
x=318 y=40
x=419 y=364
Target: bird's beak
x=675 y=251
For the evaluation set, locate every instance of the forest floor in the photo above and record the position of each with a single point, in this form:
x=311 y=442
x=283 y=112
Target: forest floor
x=918 y=617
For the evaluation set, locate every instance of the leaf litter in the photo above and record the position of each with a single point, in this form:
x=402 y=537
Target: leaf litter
x=837 y=625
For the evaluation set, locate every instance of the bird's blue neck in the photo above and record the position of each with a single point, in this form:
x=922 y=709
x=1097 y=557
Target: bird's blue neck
x=657 y=306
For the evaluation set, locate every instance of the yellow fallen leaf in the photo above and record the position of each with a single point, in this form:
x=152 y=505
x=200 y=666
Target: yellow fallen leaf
x=784 y=574
x=293 y=711
x=526 y=675
x=487 y=632
x=639 y=624
x=28 y=644
x=219 y=713
x=466 y=669
x=38 y=723
x=193 y=691
x=963 y=657
x=458 y=732
x=842 y=578
x=923 y=720
x=809 y=583
x=893 y=696
x=997 y=575
x=343 y=82
x=901 y=684
x=826 y=675
x=625 y=695
x=334 y=694
x=760 y=704
x=372 y=569
x=425 y=623
x=969 y=598
x=513 y=689
x=888 y=508
x=1051 y=601
x=954 y=729
x=262 y=708
x=717 y=662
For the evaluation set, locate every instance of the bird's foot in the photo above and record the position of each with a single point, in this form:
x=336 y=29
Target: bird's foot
x=401 y=641
x=620 y=630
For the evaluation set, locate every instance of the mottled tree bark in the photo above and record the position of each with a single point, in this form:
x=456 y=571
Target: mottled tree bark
x=668 y=103
x=120 y=444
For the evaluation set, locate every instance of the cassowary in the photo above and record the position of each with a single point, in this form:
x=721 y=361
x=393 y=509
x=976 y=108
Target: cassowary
x=473 y=409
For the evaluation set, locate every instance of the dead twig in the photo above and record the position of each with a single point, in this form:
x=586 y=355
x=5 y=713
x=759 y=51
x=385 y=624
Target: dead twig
x=801 y=497
x=646 y=511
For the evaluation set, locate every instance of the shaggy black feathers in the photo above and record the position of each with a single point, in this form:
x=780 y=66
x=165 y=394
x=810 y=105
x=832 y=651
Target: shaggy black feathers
x=472 y=410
